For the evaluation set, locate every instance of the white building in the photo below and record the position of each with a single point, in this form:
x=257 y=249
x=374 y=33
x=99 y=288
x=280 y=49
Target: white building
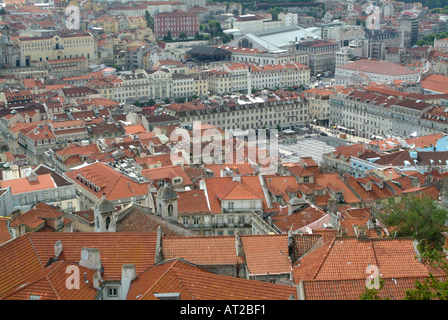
x=373 y=71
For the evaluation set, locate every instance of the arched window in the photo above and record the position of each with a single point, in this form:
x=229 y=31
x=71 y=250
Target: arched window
x=107 y=223
x=97 y=223
x=244 y=43
x=170 y=210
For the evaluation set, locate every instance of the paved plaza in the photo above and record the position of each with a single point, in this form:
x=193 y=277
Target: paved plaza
x=305 y=147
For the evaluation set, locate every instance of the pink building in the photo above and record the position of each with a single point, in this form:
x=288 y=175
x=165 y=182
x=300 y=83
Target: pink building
x=176 y=22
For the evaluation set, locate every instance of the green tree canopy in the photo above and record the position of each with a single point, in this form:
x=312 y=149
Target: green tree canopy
x=149 y=20
x=182 y=35
x=152 y=102
x=180 y=100
x=421 y=218
x=167 y=100
x=168 y=36
x=137 y=103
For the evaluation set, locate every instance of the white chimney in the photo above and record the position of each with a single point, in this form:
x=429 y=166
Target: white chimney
x=128 y=274
x=57 y=249
x=90 y=258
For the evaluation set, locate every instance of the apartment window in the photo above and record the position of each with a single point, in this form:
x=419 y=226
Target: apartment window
x=113 y=292
x=241 y=220
x=230 y=206
x=47 y=196
x=185 y=221
x=196 y=220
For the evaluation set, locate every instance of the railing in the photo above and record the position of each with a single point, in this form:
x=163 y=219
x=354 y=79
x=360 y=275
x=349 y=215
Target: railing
x=49 y=200
x=217 y=225
x=239 y=210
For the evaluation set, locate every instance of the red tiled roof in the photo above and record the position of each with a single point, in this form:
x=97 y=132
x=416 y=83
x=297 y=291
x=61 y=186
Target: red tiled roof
x=193 y=201
x=115 y=248
x=348 y=258
x=113 y=184
x=196 y=284
x=202 y=250
x=22 y=185
x=4 y=230
x=351 y=289
x=258 y=247
x=50 y=284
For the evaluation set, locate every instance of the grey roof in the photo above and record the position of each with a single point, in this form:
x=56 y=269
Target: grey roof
x=282 y=36
x=207 y=50
x=104 y=205
x=166 y=193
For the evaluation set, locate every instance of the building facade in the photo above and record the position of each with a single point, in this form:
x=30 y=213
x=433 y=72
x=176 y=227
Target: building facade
x=175 y=22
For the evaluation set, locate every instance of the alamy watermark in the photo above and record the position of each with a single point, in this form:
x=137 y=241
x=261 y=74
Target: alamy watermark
x=373 y=280
x=74 y=18
x=206 y=145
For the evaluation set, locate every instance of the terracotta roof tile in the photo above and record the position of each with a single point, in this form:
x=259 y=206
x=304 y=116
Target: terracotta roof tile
x=196 y=284
x=50 y=284
x=4 y=230
x=348 y=258
x=258 y=247
x=350 y=289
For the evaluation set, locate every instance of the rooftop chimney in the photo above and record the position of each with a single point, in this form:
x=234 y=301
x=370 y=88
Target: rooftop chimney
x=332 y=205
x=128 y=274
x=238 y=245
x=90 y=258
x=57 y=249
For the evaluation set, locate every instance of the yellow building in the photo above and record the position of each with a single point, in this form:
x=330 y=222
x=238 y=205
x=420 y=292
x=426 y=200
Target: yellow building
x=69 y=45
x=136 y=22
x=200 y=85
x=219 y=82
x=109 y=24
x=107 y=88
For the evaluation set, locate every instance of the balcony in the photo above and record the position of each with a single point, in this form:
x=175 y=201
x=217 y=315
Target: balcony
x=239 y=210
x=217 y=225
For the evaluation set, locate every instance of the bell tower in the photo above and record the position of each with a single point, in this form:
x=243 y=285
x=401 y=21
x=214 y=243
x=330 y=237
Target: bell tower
x=166 y=201
x=104 y=215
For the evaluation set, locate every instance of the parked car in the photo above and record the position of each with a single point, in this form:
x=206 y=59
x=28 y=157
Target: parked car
x=307 y=136
x=323 y=134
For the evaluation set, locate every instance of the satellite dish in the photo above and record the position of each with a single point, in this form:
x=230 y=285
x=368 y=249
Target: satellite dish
x=412 y=146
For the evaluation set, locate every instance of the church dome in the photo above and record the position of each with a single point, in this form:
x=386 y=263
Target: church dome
x=166 y=193
x=104 y=205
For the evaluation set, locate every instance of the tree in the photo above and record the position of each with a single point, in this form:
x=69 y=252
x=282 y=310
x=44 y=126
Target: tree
x=198 y=36
x=215 y=27
x=168 y=36
x=167 y=100
x=373 y=294
x=226 y=37
x=194 y=97
x=137 y=103
x=289 y=89
x=420 y=218
x=182 y=35
x=2 y=11
x=235 y=12
x=275 y=11
x=152 y=102
x=180 y=100
x=149 y=20
x=117 y=67
x=253 y=90
x=431 y=288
